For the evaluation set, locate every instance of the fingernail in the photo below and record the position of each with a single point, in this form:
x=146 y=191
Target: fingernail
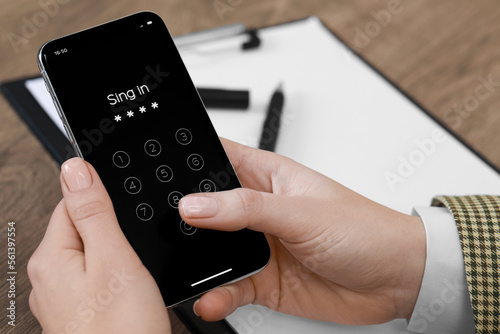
x=76 y=174
x=199 y=207
x=194 y=307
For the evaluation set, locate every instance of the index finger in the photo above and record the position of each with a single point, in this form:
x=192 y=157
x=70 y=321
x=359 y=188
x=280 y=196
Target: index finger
x=255 y=168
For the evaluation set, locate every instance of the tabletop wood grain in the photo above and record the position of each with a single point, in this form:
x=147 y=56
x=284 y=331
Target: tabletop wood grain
x=444 y=54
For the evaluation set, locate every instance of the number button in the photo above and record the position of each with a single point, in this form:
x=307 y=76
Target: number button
x=187 y=229
x=164 y=173
x=207 y=186
x=121 y=159
x=183 y=136
x=173 y=199
x=133 y=185
x=152 y=147
x=144 y=212
x=195 y=162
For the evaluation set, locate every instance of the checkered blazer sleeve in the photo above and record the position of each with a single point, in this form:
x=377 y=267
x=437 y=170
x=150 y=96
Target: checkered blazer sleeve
x=478 y=222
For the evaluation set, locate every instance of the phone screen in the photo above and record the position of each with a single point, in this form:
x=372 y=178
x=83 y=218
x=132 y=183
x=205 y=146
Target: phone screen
x=136 y=116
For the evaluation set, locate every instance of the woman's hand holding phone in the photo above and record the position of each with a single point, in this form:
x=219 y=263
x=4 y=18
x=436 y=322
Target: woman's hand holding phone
x=336 y=256
x=86 y=277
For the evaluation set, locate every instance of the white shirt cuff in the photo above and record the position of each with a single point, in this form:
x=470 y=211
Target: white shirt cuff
x=443 y=304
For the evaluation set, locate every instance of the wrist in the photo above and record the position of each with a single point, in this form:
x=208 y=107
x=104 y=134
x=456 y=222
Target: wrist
x=413 y=256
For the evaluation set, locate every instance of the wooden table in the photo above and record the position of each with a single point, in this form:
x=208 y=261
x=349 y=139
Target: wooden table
x=440 y=52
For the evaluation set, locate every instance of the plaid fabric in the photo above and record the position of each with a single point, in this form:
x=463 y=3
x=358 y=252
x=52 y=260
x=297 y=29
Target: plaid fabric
x=478 y=222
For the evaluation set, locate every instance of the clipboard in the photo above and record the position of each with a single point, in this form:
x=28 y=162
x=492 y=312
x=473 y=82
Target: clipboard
x=30 y=111
x=342 y=117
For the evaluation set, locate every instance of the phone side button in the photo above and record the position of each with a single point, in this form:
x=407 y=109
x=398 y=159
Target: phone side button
x=45 y=80
x=67 y=132
x=59 y=112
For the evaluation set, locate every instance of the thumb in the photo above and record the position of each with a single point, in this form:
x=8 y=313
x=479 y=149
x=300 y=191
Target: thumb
x=89 y=207
x=285 y=217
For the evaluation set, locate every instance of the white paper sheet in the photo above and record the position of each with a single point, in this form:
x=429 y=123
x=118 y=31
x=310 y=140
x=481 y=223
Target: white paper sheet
x=342 y=119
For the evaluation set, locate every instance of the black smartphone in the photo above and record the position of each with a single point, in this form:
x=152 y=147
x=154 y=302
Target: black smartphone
x=131 y=110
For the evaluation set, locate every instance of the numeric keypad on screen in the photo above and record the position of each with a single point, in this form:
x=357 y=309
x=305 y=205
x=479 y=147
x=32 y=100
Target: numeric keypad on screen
x=152 y=147
x=166 y=170
x=133 y=185
x=164 y=173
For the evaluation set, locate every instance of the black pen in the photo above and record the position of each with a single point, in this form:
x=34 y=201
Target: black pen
x=224 y=98
x=272 y=123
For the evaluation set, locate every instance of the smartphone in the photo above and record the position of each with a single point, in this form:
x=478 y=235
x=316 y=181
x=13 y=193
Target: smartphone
x=130 y=108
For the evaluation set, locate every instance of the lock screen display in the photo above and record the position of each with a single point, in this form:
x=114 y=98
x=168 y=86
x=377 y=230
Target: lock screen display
x=137 y=118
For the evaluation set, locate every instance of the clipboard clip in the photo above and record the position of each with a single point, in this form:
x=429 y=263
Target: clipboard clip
x=253 y=42
x=219 y=33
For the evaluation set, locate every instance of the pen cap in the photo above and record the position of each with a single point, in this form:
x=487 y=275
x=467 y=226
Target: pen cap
x=225 y=99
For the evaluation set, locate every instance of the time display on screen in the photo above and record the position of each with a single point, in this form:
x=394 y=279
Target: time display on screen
x=61 y=51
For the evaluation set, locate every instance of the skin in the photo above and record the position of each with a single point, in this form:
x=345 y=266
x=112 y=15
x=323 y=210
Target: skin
x=86 y=277
x=335 y=255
